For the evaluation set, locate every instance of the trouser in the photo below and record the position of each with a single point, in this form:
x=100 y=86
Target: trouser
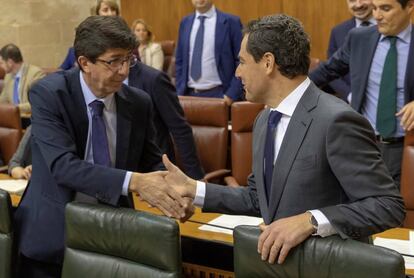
x=392 y=156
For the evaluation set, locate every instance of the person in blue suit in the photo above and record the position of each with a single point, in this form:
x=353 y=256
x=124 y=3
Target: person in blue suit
x=169 y=119
x=361 y=11
x=364 y=55
x=207 y=57
x=92 y=141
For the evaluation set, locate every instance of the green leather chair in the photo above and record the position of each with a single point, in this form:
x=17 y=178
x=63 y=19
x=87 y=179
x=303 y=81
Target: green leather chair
x=6 y=235
x=316 y=258
x=103 y=242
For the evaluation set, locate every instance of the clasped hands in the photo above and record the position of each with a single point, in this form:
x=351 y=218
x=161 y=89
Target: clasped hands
x=173 y=192
x=170 y=191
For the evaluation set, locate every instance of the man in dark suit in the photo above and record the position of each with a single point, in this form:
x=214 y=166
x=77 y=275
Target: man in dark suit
x=316 y=167
x=361 y=11
x=206 y=57
x=378 y=58
x=168 y=117
x=92 y=140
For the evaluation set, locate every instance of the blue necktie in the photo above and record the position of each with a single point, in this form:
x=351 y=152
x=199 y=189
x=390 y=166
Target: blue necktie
x=269 y=150
x=16 y=90
x=198 y=51
x=100 y=147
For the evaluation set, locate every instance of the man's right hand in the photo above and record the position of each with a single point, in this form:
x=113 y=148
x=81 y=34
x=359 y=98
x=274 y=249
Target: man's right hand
x=153 y=189
x=183 y=184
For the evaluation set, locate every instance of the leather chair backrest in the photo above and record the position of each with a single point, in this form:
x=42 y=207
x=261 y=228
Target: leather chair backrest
x=105 y=242
x=6 y=235
x=243 y=115
x=407 y=179
x=168 y=49
x=316 y=258
x=10 y=130
x=208 y=118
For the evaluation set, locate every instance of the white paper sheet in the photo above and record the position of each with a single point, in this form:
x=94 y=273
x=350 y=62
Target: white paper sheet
x=226 y=223
x=13 y=186
x=401 y=246
x=409 y=262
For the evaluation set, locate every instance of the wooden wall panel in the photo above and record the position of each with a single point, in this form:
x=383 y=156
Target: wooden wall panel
x=164 y=16
x=318 y=17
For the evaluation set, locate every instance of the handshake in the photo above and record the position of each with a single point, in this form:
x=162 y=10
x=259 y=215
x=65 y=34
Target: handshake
x=170 y=191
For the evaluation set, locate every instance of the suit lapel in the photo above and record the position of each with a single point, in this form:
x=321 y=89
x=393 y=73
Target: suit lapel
x=258 y=151
x=292 y=142
x=370 y=45
x=123 y=129
x=409 y=79
x=22 y=83
x=187 y=34
x=77 y=109
x=221 y=31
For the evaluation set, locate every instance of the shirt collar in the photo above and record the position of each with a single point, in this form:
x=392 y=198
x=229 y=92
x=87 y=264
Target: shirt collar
x=19 y=73
x=359 y=21
x=210 y=13
x=288 y=105
x=404 y=35
x=90 y=97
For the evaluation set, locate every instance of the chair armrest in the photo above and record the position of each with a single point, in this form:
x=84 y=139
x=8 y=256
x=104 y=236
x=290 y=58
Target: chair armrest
x=216 y=175
x=4 y=169
x=231 y=181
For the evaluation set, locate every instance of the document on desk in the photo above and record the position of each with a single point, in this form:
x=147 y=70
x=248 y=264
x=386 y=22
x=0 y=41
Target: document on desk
x=13 y=186
x=226 y=223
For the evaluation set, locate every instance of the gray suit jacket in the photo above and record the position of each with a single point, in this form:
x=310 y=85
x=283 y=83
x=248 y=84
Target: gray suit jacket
x=329 y=161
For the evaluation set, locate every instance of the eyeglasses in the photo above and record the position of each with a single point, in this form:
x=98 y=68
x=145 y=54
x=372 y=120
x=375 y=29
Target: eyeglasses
x=117 y=64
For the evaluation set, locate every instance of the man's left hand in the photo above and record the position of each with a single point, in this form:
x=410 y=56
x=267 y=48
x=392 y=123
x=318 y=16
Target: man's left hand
x=282 y=235
x=407 y=116
x=228 y=100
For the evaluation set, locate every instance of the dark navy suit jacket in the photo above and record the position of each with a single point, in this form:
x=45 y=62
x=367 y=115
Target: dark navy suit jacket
x=227 y=46
x=168 y=117
x=355 y=57
x=341 y=86
x=59 y=134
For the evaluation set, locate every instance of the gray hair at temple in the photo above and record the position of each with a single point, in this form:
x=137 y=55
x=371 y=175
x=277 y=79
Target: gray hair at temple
x=285 y=38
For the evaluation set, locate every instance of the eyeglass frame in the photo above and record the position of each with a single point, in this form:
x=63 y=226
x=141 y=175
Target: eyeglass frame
x=132 y=59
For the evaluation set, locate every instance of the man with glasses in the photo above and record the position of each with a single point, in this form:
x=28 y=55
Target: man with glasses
x=93 y=141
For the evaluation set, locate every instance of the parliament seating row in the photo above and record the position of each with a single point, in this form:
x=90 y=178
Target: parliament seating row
x=103 y=241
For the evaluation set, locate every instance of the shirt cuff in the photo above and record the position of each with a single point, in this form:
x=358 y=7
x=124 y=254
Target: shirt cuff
x=324 y=226
x=125 y=185
x=200 y=194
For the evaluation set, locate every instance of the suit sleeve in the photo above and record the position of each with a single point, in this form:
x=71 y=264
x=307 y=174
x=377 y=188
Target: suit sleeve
x=337 y=66
x=235 y=90
x=374 y=201
x=232 y=200
x=20 y=157
x=172 y=115
x=55 y=140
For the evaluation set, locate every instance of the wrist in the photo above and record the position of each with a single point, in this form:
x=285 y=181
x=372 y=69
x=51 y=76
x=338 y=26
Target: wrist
x=313 y=223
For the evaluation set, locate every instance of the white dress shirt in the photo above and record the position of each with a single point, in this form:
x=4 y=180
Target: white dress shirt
x=286 y=107
x=109 y=117
x=209 y=73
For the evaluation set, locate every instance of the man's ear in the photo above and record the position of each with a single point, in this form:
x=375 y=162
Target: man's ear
x=84 y=63
x=269 y=62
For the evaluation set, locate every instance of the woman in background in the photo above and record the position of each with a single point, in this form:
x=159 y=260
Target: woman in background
x=150 y=53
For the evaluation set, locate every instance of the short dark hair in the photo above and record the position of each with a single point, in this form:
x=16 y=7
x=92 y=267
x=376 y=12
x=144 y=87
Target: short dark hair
x=285 y=38
x=11 y=51
x=96 y=34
